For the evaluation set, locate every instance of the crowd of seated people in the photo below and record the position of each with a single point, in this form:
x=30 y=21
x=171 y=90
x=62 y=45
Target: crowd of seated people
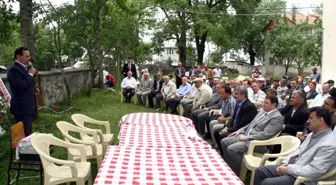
x=232 y=113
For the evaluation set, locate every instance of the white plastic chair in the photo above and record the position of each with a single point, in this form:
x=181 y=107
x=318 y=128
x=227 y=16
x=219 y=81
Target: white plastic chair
x=93 y=149
x=57 y=171
x=327 y=176
x=326 y=183
x=105 y=139
x=252 y=162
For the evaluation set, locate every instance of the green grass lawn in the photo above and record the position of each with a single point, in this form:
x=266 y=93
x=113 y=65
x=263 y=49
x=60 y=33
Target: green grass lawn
x=102 y=105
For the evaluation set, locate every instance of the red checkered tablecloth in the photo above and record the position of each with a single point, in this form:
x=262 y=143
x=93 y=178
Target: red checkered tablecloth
x=134 y=165
x=160 y=136
x=156 y=119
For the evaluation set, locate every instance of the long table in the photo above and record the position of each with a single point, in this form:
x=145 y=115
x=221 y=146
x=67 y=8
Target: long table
x=139 y=165
x=162 y=149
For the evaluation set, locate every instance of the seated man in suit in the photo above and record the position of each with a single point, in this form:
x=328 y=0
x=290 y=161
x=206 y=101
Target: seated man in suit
x=315 y=156
x=296 y=114
x=244 y=113
x=128 y=87
x=168 y=91
x=182 y=91
x=265 y=125
x=198 y=116
x=157 y=86
x=146 y=85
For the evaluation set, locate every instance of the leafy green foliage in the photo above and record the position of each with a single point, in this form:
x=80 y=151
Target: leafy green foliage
x=299 y=44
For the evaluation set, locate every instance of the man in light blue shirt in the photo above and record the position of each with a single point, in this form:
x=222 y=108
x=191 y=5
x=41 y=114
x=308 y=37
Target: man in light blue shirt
x=182 y=91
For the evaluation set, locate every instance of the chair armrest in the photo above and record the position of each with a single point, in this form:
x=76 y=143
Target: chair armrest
x=299 y=180
x=299 y=134
x=255 y=143
x=75 y=140
x=279 y=159
x=326 y=183
x=213 y=111
x=280 y=155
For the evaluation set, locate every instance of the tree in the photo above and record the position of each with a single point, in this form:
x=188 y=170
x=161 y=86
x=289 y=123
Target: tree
x=244 y=30
x=191 y=55
x=27 y=26
x=297 y=43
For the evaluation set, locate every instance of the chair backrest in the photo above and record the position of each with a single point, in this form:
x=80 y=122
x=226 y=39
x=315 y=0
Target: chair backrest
x=66 y=128
x=78 y=119
x=289 y=143
x=16 y=134
x=41 y=144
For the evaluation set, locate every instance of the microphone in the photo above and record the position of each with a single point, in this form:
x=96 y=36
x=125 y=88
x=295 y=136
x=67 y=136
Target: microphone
x=29 y=65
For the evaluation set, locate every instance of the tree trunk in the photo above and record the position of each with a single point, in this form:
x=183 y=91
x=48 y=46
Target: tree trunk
x=93 y=75
x=287 y=66
x=252 y=54
x=182 y=45
x=200 y=46
x=26 y=26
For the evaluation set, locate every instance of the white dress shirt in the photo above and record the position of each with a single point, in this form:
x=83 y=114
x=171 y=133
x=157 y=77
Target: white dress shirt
x=319 y=99
x=129 y=82
x=217 y=73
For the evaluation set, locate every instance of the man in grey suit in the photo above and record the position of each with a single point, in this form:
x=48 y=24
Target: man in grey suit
x=265 y=125
x=315 y=156
x=146 y=85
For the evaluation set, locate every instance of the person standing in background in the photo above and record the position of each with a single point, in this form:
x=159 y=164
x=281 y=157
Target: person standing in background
x=21 y=83
x=217 y=72
x=179 y=73
x=315 y=75
x=129 y=66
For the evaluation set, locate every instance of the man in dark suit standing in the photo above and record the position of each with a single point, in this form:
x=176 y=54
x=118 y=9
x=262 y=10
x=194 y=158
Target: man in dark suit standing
x=130 y=67
x=179 y=73
x=21 y=83
x=244 y=113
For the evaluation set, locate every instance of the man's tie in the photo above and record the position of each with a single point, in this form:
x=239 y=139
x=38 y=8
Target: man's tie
x=129 y=67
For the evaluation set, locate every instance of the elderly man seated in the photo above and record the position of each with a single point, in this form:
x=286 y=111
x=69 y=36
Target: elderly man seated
x=203 y=95
x=168 y=91
x=266 y=124
x=128 y=87
x=258 y=96
x=146 y=85
x=182 y=91
x=315 y=156
x=319 y=99
x=200 y=116
x=187 y=101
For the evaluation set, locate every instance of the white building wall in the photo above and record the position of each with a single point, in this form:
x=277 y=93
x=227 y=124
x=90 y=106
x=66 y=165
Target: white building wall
x=329 y=41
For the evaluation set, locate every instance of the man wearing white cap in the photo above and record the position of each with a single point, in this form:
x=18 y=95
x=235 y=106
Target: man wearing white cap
x=202 y=97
